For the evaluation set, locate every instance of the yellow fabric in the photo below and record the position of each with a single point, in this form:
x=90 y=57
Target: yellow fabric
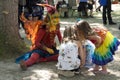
x=53 y=21
x=50 y=50
x=104 y=46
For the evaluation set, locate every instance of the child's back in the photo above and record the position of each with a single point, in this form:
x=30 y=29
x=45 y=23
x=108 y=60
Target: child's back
x=68 y=61
x=68 y=56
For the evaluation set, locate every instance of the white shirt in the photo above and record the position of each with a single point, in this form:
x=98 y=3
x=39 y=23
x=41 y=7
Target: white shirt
x=68 y=56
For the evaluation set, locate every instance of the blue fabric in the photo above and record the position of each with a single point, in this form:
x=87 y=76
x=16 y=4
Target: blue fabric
x=83 y=0
x=103 y=2
x=38 y=11
x=27 y=55
x=89 y=52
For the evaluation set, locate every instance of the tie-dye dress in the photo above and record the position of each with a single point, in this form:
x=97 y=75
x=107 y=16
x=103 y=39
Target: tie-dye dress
x=104 y=53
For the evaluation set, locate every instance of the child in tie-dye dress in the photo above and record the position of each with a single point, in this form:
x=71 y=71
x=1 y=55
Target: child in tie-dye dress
x=106 y=44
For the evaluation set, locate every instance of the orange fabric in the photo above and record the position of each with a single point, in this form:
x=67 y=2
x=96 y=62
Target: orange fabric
x=101 y=32
x=31 y=27
x=35 y=26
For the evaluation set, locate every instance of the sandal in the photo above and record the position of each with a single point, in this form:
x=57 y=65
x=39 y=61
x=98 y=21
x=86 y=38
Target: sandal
x=104 y=72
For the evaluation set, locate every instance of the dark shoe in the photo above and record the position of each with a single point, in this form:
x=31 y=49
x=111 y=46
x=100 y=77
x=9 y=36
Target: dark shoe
x=112 y=23
x=104 y=23
x=76 y=71
x=23 y=65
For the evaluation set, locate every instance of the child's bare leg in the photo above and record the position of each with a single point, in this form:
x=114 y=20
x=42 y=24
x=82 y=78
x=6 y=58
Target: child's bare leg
x=104 y=68
x=96 y=68
x=82 y=55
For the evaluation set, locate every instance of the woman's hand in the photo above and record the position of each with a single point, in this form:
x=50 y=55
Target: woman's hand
x=50 y=50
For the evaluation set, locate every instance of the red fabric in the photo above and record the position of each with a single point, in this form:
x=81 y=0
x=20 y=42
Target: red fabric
x=33 y=59
x=51 y=58
x=93 y=41
x=59 y=36
x=46 y=38
x=38 y=39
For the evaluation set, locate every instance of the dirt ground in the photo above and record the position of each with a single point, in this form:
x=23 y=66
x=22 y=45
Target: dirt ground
x=9 y=70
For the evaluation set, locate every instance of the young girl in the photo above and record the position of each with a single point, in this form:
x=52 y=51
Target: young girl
x=68 y=60
x=106 y=44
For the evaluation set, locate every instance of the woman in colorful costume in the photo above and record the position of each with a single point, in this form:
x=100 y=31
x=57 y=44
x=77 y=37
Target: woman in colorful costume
x=44 y=48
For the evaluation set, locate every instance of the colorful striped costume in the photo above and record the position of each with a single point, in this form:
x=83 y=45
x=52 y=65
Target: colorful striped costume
x=43 y=36
x=104 y=53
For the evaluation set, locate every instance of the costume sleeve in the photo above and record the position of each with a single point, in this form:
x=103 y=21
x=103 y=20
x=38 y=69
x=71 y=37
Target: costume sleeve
x=59 y=36
x=38 y=39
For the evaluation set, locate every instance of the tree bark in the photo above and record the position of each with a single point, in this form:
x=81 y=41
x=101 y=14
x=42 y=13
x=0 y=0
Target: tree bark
x=10 y=41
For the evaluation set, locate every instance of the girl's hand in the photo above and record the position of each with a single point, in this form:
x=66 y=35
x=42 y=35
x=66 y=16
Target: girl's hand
x=98 y=41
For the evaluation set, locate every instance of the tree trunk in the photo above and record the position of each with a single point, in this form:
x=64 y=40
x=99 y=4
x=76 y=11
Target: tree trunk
x=10 y=41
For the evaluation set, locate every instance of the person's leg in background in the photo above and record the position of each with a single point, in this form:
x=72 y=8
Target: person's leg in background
x=85 y=14
x=90 y=10
x=80 y=10
x=104 y=15
x=109 y=13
